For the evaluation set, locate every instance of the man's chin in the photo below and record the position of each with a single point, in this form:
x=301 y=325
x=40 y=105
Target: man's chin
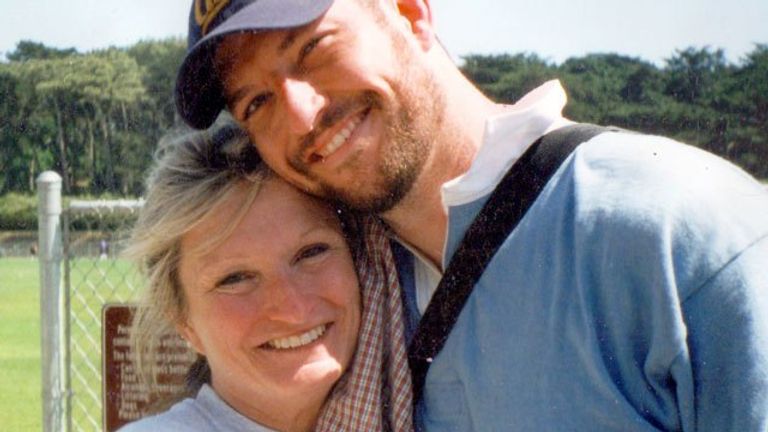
x=372 y=202
x=366 y=204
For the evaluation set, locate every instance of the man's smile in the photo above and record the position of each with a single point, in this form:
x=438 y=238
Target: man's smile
x=341 y=136
x=335 y=130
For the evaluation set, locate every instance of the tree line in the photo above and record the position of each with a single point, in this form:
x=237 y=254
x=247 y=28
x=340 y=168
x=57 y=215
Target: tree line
x=696 y=97
x=96 y=117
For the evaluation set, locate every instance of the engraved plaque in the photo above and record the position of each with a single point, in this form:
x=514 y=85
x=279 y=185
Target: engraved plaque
x=124 y=397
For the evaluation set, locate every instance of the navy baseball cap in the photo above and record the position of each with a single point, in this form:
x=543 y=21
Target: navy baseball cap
x=199 y=94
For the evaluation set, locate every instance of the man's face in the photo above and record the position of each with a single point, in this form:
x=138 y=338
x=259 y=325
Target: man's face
x=342 y=107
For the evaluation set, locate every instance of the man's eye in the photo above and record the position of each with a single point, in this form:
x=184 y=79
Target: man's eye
x=308 y=48
x=256 y=103
x=311 y=251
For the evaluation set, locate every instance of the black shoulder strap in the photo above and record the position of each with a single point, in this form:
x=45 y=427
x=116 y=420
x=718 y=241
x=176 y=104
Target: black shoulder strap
x=505 y=207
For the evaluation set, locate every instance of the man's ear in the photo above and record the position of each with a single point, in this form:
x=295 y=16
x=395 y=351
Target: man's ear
x=418 y=13
x=190 y=335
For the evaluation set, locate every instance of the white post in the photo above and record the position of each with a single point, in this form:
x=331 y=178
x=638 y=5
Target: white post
x=51 y=301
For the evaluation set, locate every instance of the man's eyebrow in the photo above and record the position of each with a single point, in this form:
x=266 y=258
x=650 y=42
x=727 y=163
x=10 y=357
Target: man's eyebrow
x=288 y=40
x=234 y=98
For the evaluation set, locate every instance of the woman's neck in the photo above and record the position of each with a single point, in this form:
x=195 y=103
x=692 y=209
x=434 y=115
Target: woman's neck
x=277 y=413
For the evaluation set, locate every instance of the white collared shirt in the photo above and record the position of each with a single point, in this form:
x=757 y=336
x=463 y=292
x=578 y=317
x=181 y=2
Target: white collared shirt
x=506 y=137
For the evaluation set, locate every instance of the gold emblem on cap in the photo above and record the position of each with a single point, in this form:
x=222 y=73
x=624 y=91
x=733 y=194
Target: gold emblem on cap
x=206 y=11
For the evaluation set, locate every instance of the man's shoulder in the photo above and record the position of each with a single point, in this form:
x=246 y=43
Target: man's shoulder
x=631 y=193
x=625 y=167
x=626 y=153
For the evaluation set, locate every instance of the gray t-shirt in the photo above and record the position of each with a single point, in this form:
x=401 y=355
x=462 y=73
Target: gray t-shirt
x=206 y=412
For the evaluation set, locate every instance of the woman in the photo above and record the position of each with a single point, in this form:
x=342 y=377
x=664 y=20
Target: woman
x=260 y=280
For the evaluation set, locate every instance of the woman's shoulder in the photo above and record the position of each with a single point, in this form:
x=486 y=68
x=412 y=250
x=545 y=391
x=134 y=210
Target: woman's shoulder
x=206 y=412
x=185 y=415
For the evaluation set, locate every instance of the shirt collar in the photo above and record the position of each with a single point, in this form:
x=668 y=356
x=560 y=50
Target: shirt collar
x=506 y=137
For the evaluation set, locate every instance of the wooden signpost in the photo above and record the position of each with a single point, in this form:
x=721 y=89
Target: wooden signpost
x=125 y=398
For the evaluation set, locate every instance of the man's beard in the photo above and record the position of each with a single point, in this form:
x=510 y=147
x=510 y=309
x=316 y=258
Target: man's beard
x=406 y=145
x=412 y=122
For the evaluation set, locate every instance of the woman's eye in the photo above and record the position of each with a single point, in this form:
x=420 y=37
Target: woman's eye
x=311 y=251
x=230 y=281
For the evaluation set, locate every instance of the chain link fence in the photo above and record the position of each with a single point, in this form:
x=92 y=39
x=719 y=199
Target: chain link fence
x=94 y=234
x=80 y=272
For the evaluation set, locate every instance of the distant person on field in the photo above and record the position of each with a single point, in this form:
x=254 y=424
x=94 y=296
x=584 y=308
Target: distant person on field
x=103 y=249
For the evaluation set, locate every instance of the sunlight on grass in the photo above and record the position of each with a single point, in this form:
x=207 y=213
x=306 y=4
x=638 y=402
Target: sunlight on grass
x=94 y=282
x=20 y=391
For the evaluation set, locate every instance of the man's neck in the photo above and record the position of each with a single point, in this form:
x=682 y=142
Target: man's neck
x=422 y=223
x=420 y=219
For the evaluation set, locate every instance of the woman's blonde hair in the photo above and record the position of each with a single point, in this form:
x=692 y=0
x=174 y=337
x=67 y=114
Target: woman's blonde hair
x=191 y=176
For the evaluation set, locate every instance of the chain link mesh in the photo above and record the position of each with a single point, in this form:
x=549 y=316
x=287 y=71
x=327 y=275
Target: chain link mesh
x=94 y=235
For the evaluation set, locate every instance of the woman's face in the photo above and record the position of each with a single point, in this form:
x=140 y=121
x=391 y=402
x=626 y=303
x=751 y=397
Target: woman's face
x=275 y=307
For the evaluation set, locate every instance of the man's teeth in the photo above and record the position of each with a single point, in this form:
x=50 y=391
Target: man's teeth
x=340 y=137
x=298 y=340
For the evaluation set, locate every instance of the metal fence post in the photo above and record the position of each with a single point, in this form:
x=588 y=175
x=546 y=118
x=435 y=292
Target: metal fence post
x=51 y=301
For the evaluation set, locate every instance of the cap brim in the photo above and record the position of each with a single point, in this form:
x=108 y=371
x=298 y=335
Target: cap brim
x=198 y=92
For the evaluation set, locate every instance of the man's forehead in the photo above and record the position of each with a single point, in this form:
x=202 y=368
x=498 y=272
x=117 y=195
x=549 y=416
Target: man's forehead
x=237 y=55
x=242 y=47
x=238 y=48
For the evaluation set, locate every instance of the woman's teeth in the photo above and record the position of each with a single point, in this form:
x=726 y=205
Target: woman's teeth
x=298 y=340
x=341 y=137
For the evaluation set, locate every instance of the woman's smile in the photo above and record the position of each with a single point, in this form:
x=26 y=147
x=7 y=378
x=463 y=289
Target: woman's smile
x=299 y=340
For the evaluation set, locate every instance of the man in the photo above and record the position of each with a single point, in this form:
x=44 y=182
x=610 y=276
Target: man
x=631 y=296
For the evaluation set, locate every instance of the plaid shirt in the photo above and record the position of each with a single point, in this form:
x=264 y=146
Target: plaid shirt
x=375 y=394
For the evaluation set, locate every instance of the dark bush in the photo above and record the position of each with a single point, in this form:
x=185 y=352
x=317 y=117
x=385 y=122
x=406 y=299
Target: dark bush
x=18 y=212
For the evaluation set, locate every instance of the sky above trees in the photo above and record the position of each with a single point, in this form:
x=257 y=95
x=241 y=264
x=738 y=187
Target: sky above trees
x=553 y=29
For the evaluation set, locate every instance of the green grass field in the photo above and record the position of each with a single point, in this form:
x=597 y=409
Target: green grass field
x=94 y=283
x=20 y=400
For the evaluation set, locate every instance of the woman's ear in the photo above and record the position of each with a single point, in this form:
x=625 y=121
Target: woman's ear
x=189 y=334
x=418 y=13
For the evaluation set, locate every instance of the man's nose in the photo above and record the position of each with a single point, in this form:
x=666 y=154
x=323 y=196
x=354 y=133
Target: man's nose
x=303 y=104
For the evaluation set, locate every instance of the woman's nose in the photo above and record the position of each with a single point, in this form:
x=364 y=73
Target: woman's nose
x=289 y=302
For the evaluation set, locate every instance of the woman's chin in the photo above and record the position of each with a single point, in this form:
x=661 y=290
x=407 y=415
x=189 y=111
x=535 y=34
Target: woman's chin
x=320 y=373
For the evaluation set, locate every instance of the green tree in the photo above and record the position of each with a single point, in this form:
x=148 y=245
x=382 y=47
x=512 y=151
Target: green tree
x=159 y=61
x=29 y=50
x=506 y=78
x=691 y=73
x=696 y=79
x=747 y=104
x=610 y=89
x=86 y=98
